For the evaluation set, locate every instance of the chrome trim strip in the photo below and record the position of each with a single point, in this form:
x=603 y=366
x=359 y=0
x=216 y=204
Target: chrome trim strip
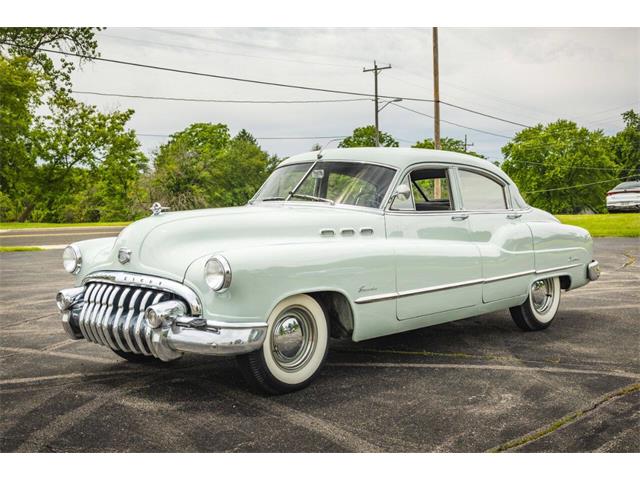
x=138 y=324
x=107 y=316
x=127 y=322
x=116 y=323
x=555 y=269
x=84 y=310
x=508 y=276
x=149 y=281
x=91 y=312
x=447 y=286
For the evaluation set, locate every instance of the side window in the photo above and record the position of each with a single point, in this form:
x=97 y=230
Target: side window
x=480 y=192
x=431 y=189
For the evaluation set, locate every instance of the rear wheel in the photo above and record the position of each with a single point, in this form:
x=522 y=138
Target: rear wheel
x=541 y=306
x=294 y=349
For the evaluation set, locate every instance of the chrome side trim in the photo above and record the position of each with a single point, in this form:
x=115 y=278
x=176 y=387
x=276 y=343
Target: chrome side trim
x=447 y=286
x=148 y=281
x=555 y=269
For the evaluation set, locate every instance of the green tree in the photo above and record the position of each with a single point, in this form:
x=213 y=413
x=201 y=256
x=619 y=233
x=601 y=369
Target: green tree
x=27 y=42
x=85 y=157
x=19 y=92
x=202 y=166
x=366 y=137
x=447 y=143
x=626 y=145
x=545 y=160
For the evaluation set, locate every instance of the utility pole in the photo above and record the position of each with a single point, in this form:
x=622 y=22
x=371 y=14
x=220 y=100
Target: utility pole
x=375 y=71
x=466 y=144
x=436 y=106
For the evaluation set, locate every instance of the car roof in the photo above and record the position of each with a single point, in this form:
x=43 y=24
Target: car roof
x=395 y=157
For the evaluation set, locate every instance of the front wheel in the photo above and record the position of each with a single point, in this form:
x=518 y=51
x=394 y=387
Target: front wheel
x=541 y=306
x=294 y=349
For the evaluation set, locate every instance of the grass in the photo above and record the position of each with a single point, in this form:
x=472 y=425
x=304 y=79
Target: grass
x=606 y=225
x=20 y=249
x=19 y=226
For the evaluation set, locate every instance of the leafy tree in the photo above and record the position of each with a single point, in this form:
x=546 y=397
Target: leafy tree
x=626 y=145
x=544 y=160
x=366 y=137
x=244 y=136
x=27 y=42
x=77 y=146
x=447 y=143
x=202 y=167
x=19 y=91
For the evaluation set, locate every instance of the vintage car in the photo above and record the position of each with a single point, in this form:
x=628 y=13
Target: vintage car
x=356 y=243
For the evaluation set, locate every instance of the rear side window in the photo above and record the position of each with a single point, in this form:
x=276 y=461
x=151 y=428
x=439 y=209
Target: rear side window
x=480 y=192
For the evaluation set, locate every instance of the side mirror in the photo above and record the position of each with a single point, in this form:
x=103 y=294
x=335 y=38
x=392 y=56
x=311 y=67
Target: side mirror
x=403 y=192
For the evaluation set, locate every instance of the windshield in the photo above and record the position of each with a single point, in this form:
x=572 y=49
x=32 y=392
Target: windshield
x=346 y=183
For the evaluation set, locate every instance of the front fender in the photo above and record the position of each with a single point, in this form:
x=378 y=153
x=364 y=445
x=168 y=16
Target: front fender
x=263 y=276
x=94 y=252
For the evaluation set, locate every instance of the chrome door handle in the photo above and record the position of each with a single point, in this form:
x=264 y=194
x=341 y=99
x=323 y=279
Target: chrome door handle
x=459 y=218
x=513 y=216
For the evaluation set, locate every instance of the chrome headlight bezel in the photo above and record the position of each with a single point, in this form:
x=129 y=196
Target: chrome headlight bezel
x=75 y=256
x=217 y=273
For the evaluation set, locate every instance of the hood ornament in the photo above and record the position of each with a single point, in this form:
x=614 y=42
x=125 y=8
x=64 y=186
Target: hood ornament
x=124 y=255
x=157 y=209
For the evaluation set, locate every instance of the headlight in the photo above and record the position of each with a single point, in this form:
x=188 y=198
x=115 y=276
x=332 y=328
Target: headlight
x=72 y=259
x=217 y=273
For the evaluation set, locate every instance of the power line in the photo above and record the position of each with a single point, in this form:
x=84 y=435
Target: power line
x=452 y=123
x=212 y=100
x=219 y=52
x=262 y=82
x=582 y=185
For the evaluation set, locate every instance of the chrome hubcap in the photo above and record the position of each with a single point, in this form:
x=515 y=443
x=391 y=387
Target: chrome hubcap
x=292 y=338
x=542 y=295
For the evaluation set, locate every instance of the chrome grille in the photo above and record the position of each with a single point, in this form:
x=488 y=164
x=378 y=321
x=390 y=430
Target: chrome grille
x=113 y=315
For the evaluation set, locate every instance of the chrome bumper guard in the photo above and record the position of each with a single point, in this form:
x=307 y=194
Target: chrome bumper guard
x=172 y=333
x=593 y=270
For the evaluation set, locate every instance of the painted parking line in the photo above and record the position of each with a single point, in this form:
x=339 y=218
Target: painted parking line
x=511 y=368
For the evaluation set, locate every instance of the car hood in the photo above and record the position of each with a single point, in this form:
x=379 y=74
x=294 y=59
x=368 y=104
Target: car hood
x=166 y=244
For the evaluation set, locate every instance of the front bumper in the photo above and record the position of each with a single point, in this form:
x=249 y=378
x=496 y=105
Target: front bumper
x=110 y=311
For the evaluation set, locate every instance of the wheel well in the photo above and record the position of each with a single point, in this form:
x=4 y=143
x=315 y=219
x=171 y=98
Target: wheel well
x=338 y=311
x=565 y=282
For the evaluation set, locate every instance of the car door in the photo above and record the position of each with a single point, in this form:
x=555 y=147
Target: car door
x=504 y=240
x=437 y=264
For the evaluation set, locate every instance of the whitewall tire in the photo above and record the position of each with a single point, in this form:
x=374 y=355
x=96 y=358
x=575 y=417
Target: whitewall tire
x=294 y=349
x=541 y=306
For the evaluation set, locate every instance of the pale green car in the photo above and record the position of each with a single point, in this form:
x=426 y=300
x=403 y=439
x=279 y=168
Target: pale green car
x=355 y=243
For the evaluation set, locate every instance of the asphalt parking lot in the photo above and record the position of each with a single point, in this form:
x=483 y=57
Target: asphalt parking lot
x=470 y=386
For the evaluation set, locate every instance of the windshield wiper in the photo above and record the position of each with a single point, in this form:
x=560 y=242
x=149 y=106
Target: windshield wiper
x=271 y=199
x=310 y=197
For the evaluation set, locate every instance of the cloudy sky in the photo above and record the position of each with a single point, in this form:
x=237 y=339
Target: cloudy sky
x=522 y=74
